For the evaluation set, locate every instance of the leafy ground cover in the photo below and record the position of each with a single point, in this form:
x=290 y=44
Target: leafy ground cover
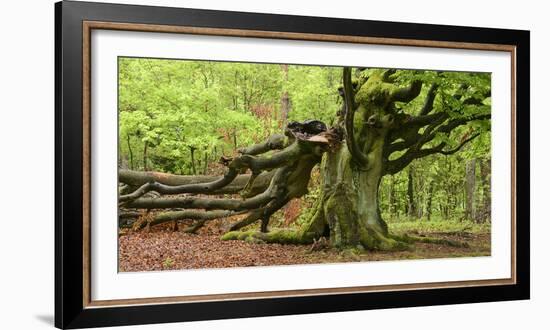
x=161 y=248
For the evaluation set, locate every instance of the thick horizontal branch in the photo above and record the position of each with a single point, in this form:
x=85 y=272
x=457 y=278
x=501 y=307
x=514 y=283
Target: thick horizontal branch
x=415 y=141
x=256 y=164
x=278 y=159
x=452 y=151
x=397 y=165
x=184 y=215
x=138 y=178
x=407 y=94
x=409 y=132
x=201 y=203
x=291 y=169
x=427 y=119
x=275 y=141
x=415 y=151
x=278 y=183
x=202 y=188
x=262 y=213
x=454 y=123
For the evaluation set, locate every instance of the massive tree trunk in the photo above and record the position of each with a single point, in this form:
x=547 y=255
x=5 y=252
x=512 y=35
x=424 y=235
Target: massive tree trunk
x=352 y=173
x=350 y=202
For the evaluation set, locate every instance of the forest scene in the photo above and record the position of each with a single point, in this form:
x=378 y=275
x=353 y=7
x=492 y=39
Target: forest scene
x=228 y=164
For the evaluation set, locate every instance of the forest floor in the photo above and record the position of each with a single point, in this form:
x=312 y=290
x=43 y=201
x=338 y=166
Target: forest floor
x=162 y=248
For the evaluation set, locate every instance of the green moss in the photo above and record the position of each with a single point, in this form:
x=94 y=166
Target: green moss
x=374 y=92
x=254 y=240
x=340 y=211
x=374 y=240
x=436 y=225
x=230 y=236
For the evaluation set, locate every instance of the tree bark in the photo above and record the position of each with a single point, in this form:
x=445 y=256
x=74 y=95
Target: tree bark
x=138 y=178
x=193 y=167
x=411 y=204
x=145 y=145
x=205 y=170
x=392 y=199
x=429 y=202
x=469 y=213
x=130 y=153
x=285 y=100
x=485 y=172
x=348 y=204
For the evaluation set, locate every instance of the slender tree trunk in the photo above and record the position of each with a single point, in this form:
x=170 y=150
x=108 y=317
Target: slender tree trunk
x=411 y=209
x=205 y=163
x=193 y=167
x=448 y=204
x=485 y=173
x=130 y=152
x=392 y=203
x=470 y=189
x=448 y=192
x=420 y=196
x=145 y=145
x=429 y=202
x=285 y=100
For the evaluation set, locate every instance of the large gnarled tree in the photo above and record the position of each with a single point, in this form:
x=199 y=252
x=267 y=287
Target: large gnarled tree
x=379 y=131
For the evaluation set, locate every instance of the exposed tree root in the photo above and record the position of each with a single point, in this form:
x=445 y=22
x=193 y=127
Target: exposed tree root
x=193 y=228
x=280 y=236
x=373 y=241
x=432 y=240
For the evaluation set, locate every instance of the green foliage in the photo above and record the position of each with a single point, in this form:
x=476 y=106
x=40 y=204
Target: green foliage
x=438 y=225
x=313 y=92
x=439 y=180
x=171 y=108
x=439 y=184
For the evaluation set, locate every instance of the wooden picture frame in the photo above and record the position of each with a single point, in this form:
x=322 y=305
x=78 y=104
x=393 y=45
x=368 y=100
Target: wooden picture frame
x=75 y=21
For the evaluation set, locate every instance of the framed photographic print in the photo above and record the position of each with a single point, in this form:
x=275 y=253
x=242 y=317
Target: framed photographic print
x=215 y=164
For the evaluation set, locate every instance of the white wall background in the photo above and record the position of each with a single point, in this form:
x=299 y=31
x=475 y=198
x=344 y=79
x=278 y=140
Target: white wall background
x=27 y=169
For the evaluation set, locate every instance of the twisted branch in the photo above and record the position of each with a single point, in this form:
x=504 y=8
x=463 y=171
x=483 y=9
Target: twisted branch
x=290 y=172
x=245 y=161
x=357 y=155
